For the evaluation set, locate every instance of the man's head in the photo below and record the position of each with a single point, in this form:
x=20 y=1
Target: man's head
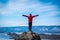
x=30 y=14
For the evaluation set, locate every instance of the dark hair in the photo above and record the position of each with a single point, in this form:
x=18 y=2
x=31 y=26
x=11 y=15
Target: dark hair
x=30 y=14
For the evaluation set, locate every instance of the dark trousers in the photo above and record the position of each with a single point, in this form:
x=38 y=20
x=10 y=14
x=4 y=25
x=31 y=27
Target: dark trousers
x=30 y=26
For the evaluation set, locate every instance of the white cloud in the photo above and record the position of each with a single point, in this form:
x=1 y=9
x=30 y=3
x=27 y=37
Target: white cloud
x=23 y=7
x=19 y=7
x=12 y=23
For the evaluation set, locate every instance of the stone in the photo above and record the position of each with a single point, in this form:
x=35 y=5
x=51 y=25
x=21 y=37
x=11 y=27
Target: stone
x=28 y=36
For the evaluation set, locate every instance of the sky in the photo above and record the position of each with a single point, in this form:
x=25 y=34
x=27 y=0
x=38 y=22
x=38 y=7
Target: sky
x=11 y=12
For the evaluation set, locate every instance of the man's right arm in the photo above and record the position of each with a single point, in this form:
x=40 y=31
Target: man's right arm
x=24 y=15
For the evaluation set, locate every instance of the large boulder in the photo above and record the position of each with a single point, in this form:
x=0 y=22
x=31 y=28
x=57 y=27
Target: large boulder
x=28 y=36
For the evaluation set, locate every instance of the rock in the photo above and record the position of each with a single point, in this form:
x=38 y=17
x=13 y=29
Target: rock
x=13 y=35
x=28 y=36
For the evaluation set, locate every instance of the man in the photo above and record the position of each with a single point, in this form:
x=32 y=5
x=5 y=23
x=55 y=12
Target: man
x=30 y=18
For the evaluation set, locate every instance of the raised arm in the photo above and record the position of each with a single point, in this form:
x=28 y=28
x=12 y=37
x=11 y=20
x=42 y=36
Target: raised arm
x=35 y=15
x=24 y=15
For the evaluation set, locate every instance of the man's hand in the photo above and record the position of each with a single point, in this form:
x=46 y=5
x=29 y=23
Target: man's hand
x=37 y=15
x=24 y=15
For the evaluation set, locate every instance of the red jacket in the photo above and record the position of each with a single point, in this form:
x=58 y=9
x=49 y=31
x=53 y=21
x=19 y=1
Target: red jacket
x=30 y=18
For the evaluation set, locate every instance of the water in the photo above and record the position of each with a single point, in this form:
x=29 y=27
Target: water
x=40 y=30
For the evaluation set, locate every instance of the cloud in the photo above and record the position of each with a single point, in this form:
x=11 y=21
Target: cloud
x=12 y=23
x=24 y=6
x=14 y=9
x=54 y=2
x=3 y=3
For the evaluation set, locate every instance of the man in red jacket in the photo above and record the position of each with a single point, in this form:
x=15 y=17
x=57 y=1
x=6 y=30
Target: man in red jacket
x=30 y=18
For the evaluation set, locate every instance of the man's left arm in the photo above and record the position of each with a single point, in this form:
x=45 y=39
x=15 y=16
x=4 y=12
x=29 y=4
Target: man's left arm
x=35 y=15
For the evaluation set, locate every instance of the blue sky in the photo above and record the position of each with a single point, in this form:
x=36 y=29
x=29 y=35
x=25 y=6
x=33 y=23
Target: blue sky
x=11 y=12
